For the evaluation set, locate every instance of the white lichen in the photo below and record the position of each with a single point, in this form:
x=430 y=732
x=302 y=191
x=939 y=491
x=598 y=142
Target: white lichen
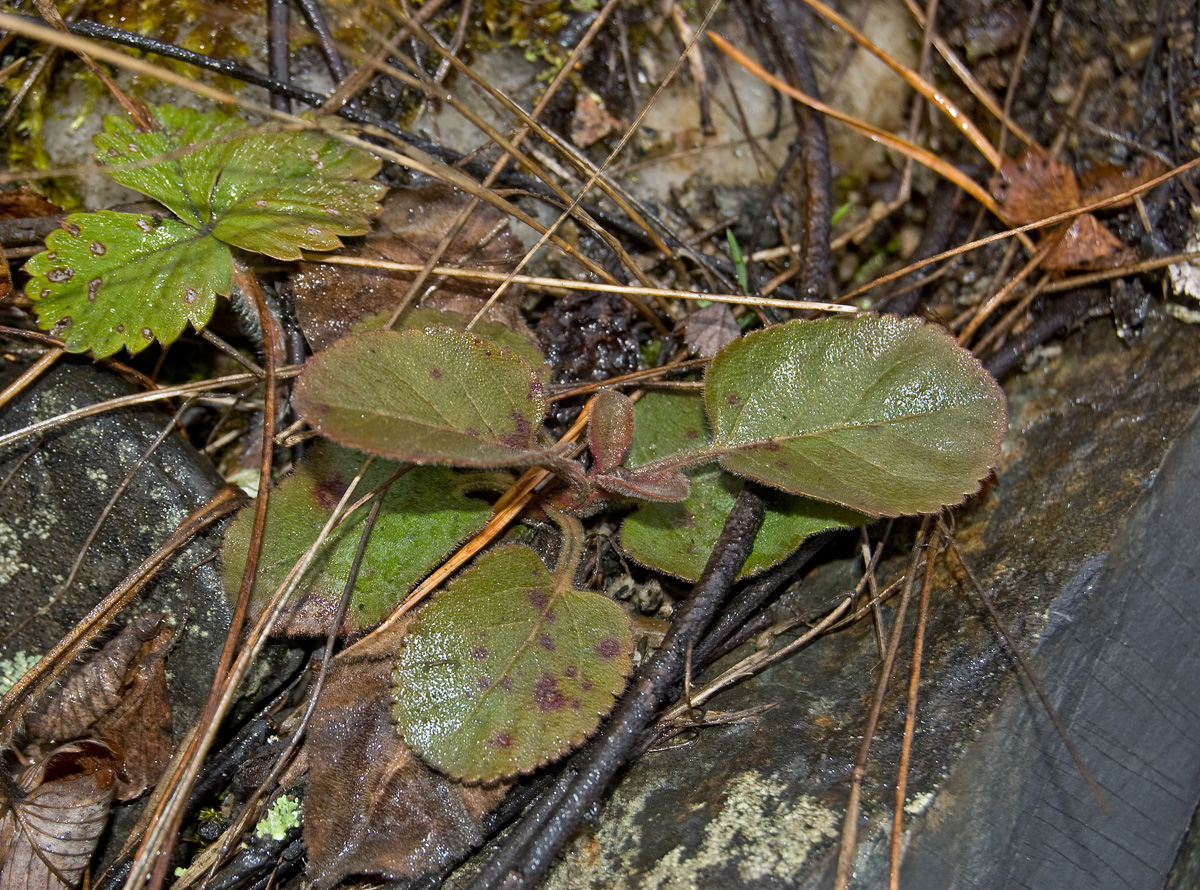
x=13 y=669
x=766 y=831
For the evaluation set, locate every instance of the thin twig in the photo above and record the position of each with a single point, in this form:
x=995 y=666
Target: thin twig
x=910 y=715
x=849 y=840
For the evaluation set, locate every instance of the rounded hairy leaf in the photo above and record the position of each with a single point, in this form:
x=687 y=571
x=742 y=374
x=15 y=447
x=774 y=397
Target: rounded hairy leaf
x=882 y=414
x=509 y=667
x=112 y=280
x=678 y=538
x=425 y=514
x=271 y=191
x=430 y=396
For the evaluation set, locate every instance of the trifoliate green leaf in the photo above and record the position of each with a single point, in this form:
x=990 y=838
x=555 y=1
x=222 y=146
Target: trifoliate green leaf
x=425 y=514
x=428 y=396
x=678 y=538
x=509 y=668
x=270 y=191
x=882 y=414
x=112 y=280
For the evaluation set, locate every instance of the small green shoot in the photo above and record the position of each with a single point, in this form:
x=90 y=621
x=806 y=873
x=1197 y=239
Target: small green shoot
x=739 y=262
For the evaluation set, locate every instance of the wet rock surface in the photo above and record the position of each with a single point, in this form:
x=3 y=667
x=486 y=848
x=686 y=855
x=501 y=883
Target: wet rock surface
x=1084 y=544
x=56 y=487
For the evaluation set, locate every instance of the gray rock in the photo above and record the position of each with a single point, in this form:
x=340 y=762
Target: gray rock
x=55 y=488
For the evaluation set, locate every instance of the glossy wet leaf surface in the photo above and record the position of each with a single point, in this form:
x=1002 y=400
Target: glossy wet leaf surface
x=426 y=513
x=122 y=280
x=882 y=414
x=509 y=667
x=427 y=396
x=269 y=191
x=678 y=538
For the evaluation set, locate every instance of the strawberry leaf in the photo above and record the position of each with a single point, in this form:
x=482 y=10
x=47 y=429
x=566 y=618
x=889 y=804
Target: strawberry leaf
x=177 y=164
x=112 y=280
x=430 y=396
x=425 y=514
x=885 y=415
x=677 y=538
x=270 y=191
x=509 y=668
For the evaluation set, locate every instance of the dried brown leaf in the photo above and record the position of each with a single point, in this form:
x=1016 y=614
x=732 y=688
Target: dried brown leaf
x=23 y=203
x=1101 y=181
x=591 y=121
x=48 y=837
x=1033 y=186
x=1086 y=244
x=373 y=807
x=709 y=329
x=331 y=300
x=119 y=694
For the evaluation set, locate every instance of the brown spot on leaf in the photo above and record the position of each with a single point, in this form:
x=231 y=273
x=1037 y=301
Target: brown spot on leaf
x=572 y=671
x=93 y=289
x=435 y=374
x=733 y=399
x=546 y=694
x=608 y=648
x=549 y=618
x=60 y=275
x=45 y=292
x=693 y=434
x=98 y=248
x=501 y=740
x=506 y=684
x=480 y=652
x=522 y=431
x=120 y=328
x=537 y=599
x=190 y=296
x=71 y=229
x=147 y=334
x=145 y=225
x=585 y=685
x=483 y=682
x=546 y=643
x=329 y=491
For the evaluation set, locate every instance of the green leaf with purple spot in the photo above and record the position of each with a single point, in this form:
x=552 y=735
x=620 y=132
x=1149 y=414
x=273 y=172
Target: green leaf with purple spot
x=112 y=280
x=268 y=190
x=509 y=668
x=882 y=414
x=425 y=514
x=426 y=396
x=678 y=538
